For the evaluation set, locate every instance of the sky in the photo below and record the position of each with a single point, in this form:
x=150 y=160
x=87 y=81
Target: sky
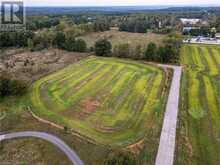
x=121 y=2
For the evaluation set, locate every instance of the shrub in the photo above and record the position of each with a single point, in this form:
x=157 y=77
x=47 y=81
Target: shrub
x=70 y=43
x=80 y=45
x=103 y=47
x=120 y=158
x=59 y=40
x=138 y=53
x=122 y=50
x=10 y=87
x=151 y=51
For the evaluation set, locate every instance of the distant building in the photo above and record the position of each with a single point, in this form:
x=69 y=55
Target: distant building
x=188 y=21
x=189 y=28
x=159 y=24
x=213 y=30
x=217 y=36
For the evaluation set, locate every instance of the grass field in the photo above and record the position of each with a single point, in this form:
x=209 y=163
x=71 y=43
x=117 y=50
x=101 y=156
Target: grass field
x=116 y=102
x=117 y=37
x=199 y=132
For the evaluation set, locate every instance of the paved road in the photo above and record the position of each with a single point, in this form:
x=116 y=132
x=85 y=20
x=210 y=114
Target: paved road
x=165 y=154
x=53 y=139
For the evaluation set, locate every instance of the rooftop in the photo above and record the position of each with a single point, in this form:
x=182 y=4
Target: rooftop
x=190 y=21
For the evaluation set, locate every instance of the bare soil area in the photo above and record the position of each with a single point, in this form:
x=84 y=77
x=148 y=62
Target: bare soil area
x=30 y=66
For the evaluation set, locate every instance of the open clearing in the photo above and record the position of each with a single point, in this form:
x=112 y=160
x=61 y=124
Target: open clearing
x=102 y=98
x=31 y=66
x=117 y=37
x=199 y=126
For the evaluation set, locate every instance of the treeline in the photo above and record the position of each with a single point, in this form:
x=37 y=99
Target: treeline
x=83 y=23
x=69 y=43
x=57 y=39
x=216 y=23
x=63 y=35
x=141 y=24
x=203 y=31
x=169 y=53
x=15 y=39
x=39 y=22
x=134 y=25
x=42 y=40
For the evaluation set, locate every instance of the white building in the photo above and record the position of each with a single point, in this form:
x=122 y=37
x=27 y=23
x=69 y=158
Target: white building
x=188 y=21
x=217 y=36
x=188 y=29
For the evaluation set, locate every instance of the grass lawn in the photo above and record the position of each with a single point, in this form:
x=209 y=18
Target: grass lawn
x=117 y=37
x=199 y=126
x=112 y=101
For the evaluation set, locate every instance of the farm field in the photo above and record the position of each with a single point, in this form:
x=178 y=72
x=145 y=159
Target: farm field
x=104 y=97
x=199 y=126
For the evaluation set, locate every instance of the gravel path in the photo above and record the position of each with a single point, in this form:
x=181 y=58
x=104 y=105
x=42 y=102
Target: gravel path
x=166 y=150
x=53 y=139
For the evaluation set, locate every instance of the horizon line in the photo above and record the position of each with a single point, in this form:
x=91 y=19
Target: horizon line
x=187 y=5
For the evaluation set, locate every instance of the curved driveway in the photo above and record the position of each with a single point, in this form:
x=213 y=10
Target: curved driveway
x=165 y=154
x=53 y=139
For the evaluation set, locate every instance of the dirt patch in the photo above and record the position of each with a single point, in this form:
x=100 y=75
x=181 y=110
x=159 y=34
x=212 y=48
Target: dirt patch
x=136 y=147
x=88 y=106
x=189 y=146
x=30 y=66
x=85 y=108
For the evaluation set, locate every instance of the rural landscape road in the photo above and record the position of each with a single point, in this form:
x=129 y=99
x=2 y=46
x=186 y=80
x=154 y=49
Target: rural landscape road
x=53 y=139
x=165 y=154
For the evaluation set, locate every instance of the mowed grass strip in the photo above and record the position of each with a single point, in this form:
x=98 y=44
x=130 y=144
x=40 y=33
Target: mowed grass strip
x=199 y=127
x=107 y=99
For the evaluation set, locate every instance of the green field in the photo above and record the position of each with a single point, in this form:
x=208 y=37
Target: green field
x=112 y=101
x=199 y=132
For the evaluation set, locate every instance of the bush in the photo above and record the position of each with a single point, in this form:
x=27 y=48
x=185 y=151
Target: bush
x=151 y=51
x=60 y=40
x=15 y=39
x=103 y=47
x=80 y=45
x=120 y=158
x=122 y=50
x=10 y=87
x=137 y=53
x=71 y=44
x=127 y=51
